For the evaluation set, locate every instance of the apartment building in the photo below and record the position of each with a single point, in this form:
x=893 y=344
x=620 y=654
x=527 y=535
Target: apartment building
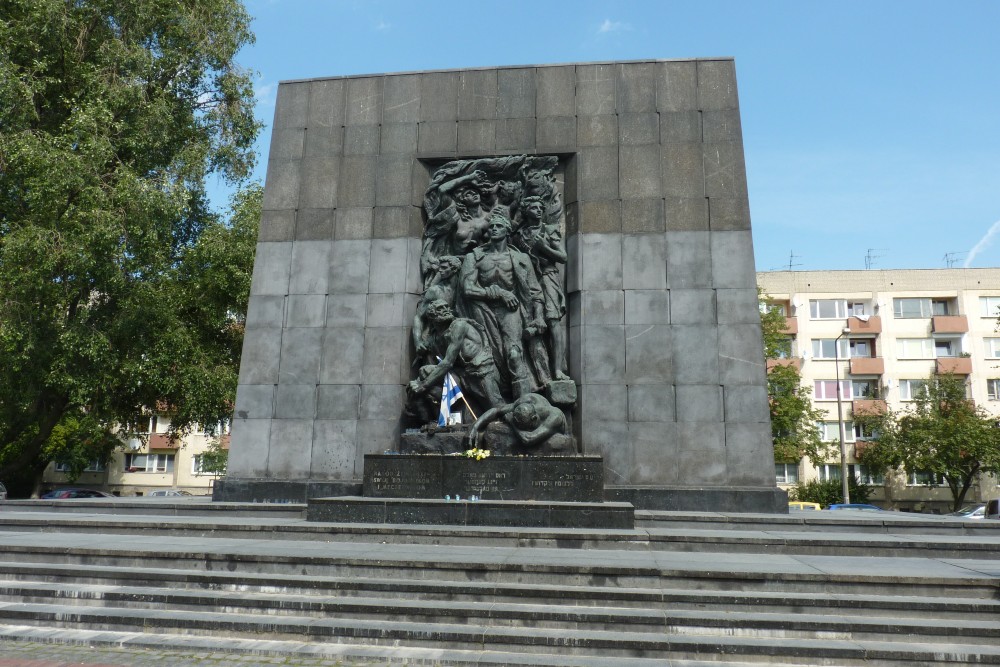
x=152 y=462
x=882 y=333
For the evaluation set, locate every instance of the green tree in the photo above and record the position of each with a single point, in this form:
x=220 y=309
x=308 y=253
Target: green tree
x=943 y=432
x=215 y=458
x=120 y=289
x=830 y=491
x=794 y=421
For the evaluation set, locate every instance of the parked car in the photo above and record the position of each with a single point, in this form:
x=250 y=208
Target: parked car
x=802 y=505
x=171 y=493
x=67 y=493
x=992 y=509
x=970 y=512
x=3 y=492
x=856 y=506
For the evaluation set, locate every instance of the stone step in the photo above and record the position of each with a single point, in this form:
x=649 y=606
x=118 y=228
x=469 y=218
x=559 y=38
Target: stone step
x=784 y=601
x=554 y=616
x=540 y=641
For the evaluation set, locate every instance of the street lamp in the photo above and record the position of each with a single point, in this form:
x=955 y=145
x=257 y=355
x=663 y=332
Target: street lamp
x=840 y=417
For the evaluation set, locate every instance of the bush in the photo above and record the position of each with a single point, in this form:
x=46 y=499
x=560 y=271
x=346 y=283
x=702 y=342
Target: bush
x=829 y=492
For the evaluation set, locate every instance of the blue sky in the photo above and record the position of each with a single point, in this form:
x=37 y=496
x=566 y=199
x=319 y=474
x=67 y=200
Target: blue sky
x=868 y=126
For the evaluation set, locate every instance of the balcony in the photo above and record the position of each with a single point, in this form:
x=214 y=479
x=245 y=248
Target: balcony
x=791 y=326
x=789 y=361
x=949 y=324
x=872 y=325
x=163 y=441
x=954 y=365
x=868 y=406
x=867 y=366
x=860 y=446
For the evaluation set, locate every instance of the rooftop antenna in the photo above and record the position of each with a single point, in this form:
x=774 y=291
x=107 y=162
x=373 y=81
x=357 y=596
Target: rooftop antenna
x=953 y=258
x=871 y=257
x=791 y=260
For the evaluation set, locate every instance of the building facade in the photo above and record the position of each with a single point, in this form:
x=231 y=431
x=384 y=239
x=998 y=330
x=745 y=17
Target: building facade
x=882 y=333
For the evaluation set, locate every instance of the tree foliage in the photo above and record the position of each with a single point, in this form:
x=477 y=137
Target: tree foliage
x=120 y=290
x=829 y=491
x=943 y=432
x=215 y=459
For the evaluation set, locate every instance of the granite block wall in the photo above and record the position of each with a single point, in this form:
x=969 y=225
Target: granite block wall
x=664 y=332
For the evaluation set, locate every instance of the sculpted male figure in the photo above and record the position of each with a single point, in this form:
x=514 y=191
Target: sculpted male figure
x=532 y=419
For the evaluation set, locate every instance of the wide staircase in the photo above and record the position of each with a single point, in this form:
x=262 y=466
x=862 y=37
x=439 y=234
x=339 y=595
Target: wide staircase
x=680 y=589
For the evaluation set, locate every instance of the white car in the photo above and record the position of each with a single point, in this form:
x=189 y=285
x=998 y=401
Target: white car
x=970 y=512
x=172 y=493
x=3 y=492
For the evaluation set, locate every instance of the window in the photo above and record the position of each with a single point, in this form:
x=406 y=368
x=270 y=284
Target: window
x=911 y=389
x=989 y=306
x=911 y=308
x=862 y=347
x=829 y=348
x=857 y=308
x=830 y=431
x=943 y=307
x=786 y=473
x=865 y=476
x=945 y=347
x=915 y=348
x=924 y=478
x=993 y=390
x=992 y=347
x=829 y=471
x=827 y=309
x=149 y=463
x=93 y=466
x=826 y=390
x=776 y=307
x=862 y=433
x=783 y=348
x=864 y=389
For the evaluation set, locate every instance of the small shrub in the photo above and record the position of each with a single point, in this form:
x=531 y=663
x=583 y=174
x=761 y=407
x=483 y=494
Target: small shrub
x=829 y=492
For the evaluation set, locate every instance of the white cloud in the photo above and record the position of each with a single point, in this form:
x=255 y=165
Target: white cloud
x=264 y=93
x=983 y=243
x=612 y=26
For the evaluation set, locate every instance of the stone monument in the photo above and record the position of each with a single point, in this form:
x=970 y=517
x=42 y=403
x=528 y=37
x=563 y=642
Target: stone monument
x=569 y=244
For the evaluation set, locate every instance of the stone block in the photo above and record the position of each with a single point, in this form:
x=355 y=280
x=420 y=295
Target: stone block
x=722 y=126
x=291 y=106
x=741 y=354
x=254 y=401
x=398 y=138
x=326 y=103
x=680 y=127
x=388 y=310
x=603 y=403
x=651 y=403
x=265 y=311
x=602 y=307
x=600 y=261
x=638 y=129
x=314 y=224
x=477 y=137
x=647 y=306
x=689 y=260
x=516 y=134
x=599 y=217
x=639 y=172
x=364 y=101
x=413 y=282
x=311 y=260
x=361 y=140
x=346 y=310
x=383 y=355
x=381 y=401
x=575 y=353
x=477 y=95
x=401 y=97
x=290 y=452
x=271 y=267
x=388 y=266
x=728 y=213
x=338 y=402
x=392 y=184
x=749 y=454
x=439 y=96
x=357 y=181
x=306 y=310
x=572 y=220
x=277 y=226
x=342 y=357
x=301 y=350
x=251 y=438
x=562 y=393
x=282 y=185
x=609 y=440
x=437 y=137
x=598 y=173
x=333 y=448
x=286 y=144
x=374 y=437
x=636 y=87
x=733 y=264
x=353 y=223
x=695 y=354
x=571 y=179
x=324 y=141
x=692 y=306
x=595 y=90
x=556 y=133
x=556 y=91
x=746 y=403
x=683 y=170
x=686 y=214
x=603 y=354
x=647 y=354
x=516 y=93
x=699 y=403
x=717 y=85
x=653 y=447
x=677 y=86
x=701 y=453
x=738 y=306
x=318 y=186
x=296 y=401
x=597 y=130
x=259 y=361
x=642 y=215
x=392 y=221
x=725 y=173
x=644 y=261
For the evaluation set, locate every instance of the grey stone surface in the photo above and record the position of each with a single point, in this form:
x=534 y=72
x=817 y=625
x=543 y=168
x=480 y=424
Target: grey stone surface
x=746 y=403
x=695 y=354
x=259 y=361
x=252 y=438
x=556 y=90
x=364 y=101
x=290 y=448
x=477 y=98
x=401 y=96
x=597 y=130
x=692 y=306
x=283 y=185
x=353 y=223
x=349 y=266
x=398 y=138
x=277 y=226
x=599 y=307
x=680 y=127
x=725 y=175
x=639 y=172
x=738 y=268
x=311 y=260
x=729 y=213
x=741 y=356
x=642 y=215
x=338 y=402
x=342 y=356
x=677 y=86
x=595 y=90
x=356 y=185
x=300 y=355
x=600 y=262
x=295 y=401
x=717 y=85
x=699 y=403
x=287 y=144
x=437 y=137
x=689 y=260
x=737 y=306
x=648 y=358
x=306 y=310
x=686 y=214
x=292 y=106
x=333 y=447
x=651 y=403
x=701 y=453
x=644 y=261
x=749 y=453
x=555 y=133
x=314 y=224
x=603 y=354
x=361 y=140
x=516 y=93
x=599 y=217
x=346 y=310
x=265 y=311
x=638 y=129
x=255 y=401
x=636 y=87
x=477 y=137
x=326 y=103
x=653 y=448
x=318 y=182
x=323 y=141
x=683 y=169
x=392 y=181
x=439 y=96
x=515 y=134
x=647 y=306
